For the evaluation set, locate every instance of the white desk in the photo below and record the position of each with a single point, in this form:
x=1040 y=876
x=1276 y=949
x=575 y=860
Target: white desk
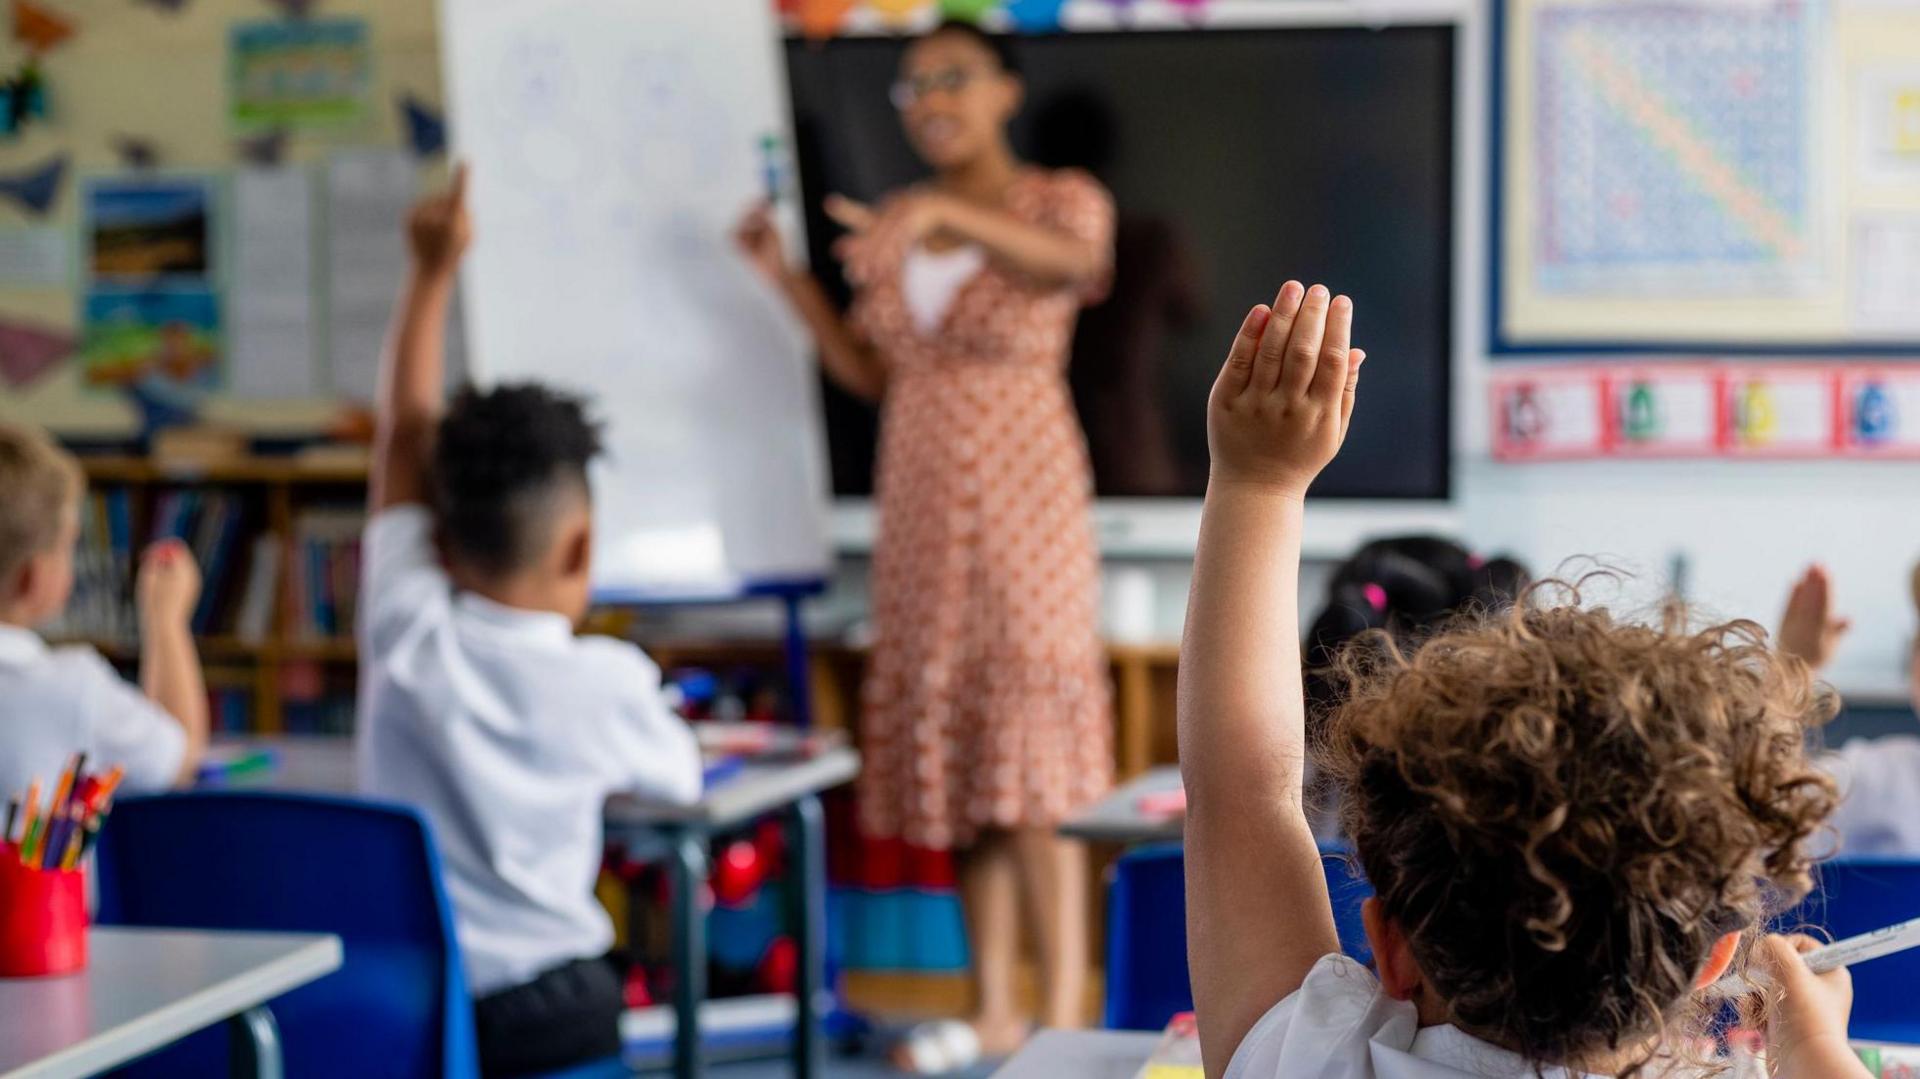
x=1117 y=817
x=146 y=988
x=1081 y=1054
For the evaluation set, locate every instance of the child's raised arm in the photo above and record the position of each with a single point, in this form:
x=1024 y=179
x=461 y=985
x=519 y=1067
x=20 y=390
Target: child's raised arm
x=413 y=373
x=1258 y=916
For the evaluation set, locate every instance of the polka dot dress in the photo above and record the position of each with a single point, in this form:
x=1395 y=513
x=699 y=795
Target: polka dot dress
x=987 y=704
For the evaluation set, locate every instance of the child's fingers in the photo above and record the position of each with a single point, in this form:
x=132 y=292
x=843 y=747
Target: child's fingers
x=457 y=192
x=1238 y=372
x=1355 y=358
x=1270 y=357
x=1303 y=343
x=1330 y=377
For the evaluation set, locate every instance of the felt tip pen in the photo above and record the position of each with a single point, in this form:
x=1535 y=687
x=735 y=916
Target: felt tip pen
x=1841 y=953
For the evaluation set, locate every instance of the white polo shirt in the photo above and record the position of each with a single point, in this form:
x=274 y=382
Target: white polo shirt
x=1340 y=1024
x=55 y=702
x=508 y=732
x=1879 y=780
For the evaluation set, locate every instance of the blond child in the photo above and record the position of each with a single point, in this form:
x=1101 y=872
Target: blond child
x=55 y=702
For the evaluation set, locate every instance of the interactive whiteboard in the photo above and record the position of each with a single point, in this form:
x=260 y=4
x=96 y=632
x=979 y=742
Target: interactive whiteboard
x=613 y=143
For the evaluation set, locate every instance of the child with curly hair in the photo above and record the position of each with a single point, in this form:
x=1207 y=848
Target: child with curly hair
x=1573 y=825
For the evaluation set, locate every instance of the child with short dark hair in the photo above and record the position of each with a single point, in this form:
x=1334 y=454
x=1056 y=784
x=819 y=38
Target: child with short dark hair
x=479 y=705
x=1573 y=825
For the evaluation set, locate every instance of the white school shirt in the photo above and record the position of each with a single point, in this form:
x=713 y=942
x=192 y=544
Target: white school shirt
x=55 y=702
x=508 y=732
x=1879 y=780
x=1341 y=1025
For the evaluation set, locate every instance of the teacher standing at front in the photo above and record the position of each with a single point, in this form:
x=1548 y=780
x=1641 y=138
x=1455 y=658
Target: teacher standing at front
x=986 y=713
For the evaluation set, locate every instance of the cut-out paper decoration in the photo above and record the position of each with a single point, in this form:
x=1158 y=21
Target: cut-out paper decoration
x=135 y=152
x=1036 y=16
x=265 y=149
x=23 y=99
x=820 y=19
x=38 y=28
x=967 y=10
x=897 y=12
x=426 y=128
x=27 y=352
x=35 y=188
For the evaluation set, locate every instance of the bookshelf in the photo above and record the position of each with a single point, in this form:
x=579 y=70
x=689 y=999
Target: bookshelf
x=254 y=675
x=277 y=541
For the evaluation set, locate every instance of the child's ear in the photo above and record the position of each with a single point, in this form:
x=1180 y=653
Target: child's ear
x=1392 y=956
x=577 y=557
x=1718 y=960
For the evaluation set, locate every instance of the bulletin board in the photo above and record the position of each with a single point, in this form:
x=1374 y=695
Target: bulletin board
x=201 y=205
x=1706 y=176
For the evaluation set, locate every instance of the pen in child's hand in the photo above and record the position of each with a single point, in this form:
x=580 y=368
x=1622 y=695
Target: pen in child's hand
x=1897 y=937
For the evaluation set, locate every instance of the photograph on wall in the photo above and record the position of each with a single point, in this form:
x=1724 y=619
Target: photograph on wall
x=299 y=73
x=135 y=340
x=149 y=230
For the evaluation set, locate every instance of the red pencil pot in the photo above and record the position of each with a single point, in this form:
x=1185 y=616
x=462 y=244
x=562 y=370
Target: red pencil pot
x=43 y=919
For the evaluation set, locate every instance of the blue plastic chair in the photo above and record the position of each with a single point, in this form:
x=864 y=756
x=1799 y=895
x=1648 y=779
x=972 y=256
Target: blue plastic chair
x=1858 y=895
x=369 y=873
x=1146 y=977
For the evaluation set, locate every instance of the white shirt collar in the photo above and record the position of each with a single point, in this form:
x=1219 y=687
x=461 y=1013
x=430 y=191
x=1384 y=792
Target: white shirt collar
x=18 y=644
x=550 y=627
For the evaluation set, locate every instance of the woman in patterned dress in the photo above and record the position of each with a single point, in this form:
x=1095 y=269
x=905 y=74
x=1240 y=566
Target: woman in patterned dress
x=986 y=715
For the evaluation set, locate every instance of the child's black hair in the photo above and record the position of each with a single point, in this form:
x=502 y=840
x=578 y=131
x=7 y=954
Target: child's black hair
x=1000 y=45
x=502 y=456
x=1408 y=586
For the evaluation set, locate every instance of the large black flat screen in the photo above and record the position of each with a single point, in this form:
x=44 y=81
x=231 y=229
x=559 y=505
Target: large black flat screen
x=1237 y=159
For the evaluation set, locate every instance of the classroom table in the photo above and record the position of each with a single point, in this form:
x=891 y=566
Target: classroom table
x=145 y=988
x=1117 y=817
x=790 y=788
x=1081 y=1054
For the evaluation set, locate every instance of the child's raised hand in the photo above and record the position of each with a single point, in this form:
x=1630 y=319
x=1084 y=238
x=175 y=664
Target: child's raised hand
x=1810 y=1016
x=169 y=583
x=438 y=229
x=1808 y=628
x=1280 y=408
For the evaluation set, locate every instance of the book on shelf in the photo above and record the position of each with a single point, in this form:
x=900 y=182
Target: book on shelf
x=101 y=607
x=254 y=619
x=210 y=523
x=323 y=577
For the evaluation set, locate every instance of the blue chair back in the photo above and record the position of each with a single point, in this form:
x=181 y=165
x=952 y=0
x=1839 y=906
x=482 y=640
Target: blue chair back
x=1858 y=895
x=1146 y=977
x=369 y=873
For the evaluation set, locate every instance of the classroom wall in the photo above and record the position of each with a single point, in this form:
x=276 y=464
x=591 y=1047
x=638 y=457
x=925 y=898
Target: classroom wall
x=159 y=72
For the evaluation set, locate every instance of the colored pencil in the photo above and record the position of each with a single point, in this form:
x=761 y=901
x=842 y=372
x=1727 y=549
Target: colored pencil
x=13 y=814
x=49 y=852
x=32 y=827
